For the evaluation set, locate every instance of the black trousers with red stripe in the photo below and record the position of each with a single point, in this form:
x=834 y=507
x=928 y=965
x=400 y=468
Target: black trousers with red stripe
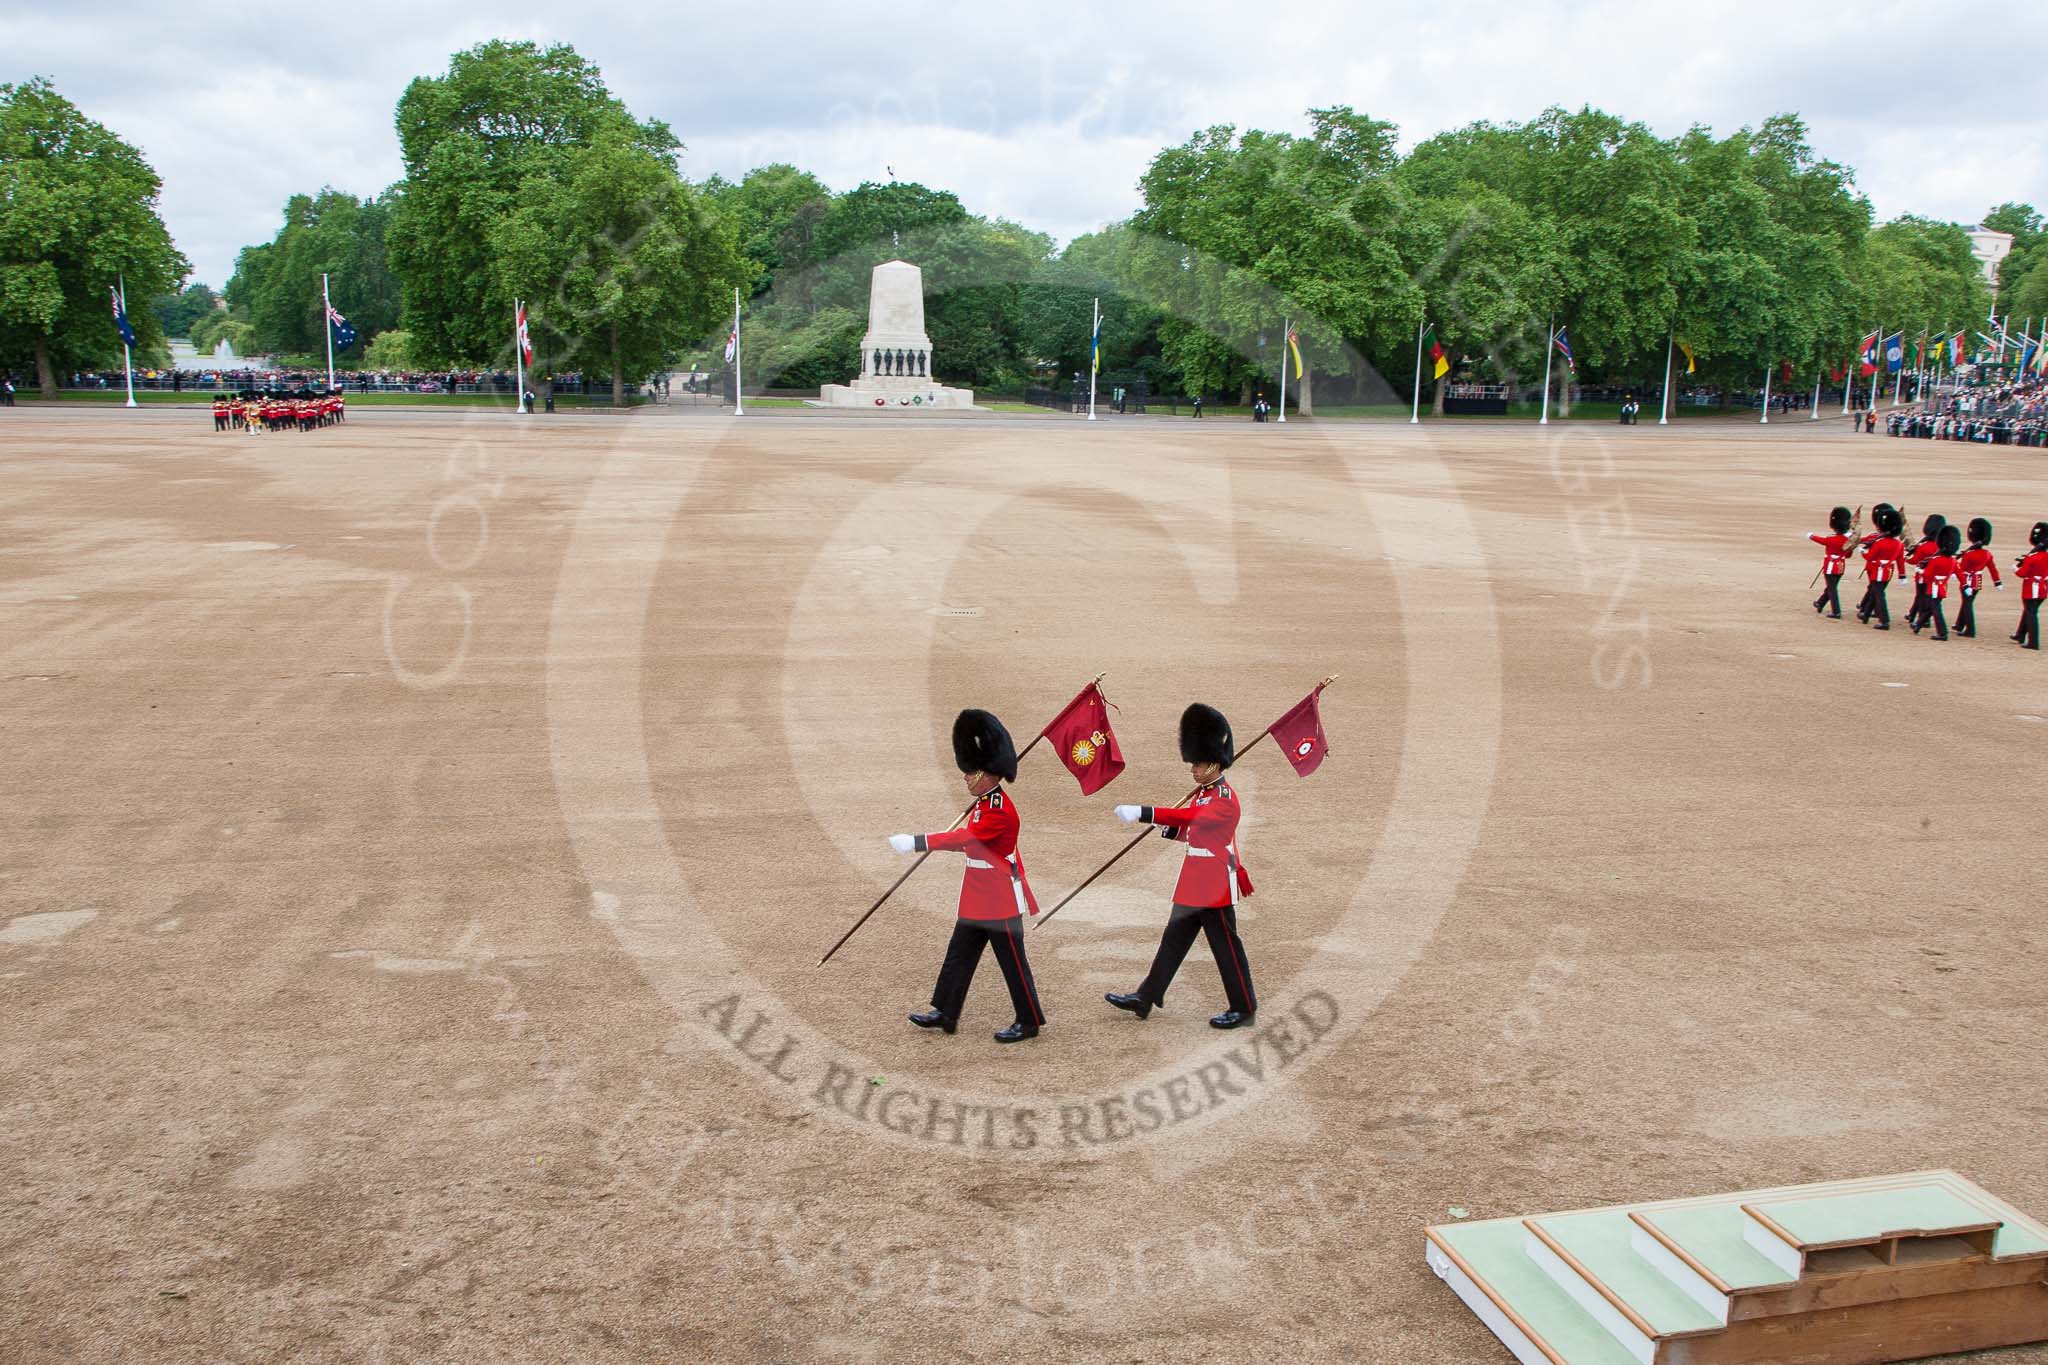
x=1220 y=924
x=963 y=955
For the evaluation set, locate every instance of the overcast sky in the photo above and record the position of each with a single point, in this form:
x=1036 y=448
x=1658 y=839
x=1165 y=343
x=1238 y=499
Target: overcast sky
x=1044 y=118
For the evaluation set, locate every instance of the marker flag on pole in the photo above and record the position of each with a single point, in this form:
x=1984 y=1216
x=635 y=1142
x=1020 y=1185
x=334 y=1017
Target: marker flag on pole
x=1439 y=360
x=525 y=339
x=2028 y=348
x=1084 y=741
x=1294 y=348
x=1894 y=352
x=344 y=334
x=1300 y=734
x=1957 y=349
x=732 y=343
x=1870 y=354
x=121 y=318
x=1095 y=346
x=1565 y=348
x=1687 y=352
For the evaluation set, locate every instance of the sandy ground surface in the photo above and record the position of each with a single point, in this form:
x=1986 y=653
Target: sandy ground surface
x=421 y=837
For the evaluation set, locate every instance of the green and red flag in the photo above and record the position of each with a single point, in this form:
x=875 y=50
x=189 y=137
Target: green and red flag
x=1439 y=362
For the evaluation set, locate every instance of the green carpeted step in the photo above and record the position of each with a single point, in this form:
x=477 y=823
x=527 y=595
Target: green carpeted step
x=1600 y=1242
x=1495 y=1253
x=1712 y=1235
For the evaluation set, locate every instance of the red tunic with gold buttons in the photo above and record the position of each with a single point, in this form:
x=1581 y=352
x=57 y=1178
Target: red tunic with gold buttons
x=994 y=885
x=1833 y=551
x=2034 y=576
x=1970 y=568
x=1209 y=873
x=1937 y=572
x=1882 y=558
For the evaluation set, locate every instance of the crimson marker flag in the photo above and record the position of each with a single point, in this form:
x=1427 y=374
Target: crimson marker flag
x=1300 y=735
x=1085 y=742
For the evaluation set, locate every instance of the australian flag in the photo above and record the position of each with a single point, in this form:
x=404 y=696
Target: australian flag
x=344 y=334
x=121 y=318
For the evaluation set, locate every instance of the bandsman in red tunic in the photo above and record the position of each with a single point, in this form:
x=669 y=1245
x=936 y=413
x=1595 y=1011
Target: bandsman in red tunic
x=1939 y=570
x=1927 y=547
x=1970 y=571
x=1834 y=558
x=2033 y=575
x=1883 y=553
x=994 y=894
x=1212 y=876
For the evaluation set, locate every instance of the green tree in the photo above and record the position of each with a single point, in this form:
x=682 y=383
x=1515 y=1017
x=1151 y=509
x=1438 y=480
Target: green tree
x=1303 y=226
x=1916 y=273
x=276 y=286
x=775 y=211
x=2026 y=228
x=622 y=263
x=505 y=128
x=392 y=350
x=176 y=312
x=78 y=210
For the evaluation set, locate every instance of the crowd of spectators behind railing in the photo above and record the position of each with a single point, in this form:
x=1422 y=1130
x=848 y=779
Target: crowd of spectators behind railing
x=349 y=381
x=2001 y=414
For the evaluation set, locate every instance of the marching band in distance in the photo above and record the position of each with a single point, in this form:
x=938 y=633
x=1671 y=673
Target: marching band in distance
x=1937 y=559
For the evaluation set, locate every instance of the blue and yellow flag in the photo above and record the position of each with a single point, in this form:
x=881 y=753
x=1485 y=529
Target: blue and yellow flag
x=1095 y=346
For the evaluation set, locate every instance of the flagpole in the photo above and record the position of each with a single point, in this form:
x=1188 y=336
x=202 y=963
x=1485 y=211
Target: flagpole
x=928 y=853
x=518 y=364
x=1874 y=369
x=1151 y=829
x=1664 y=406
x=1284 y=320
x=1765 y=419
x=127 y=356
x=1813 y=415
x=1848 y=385
x=1549 y=345
x=1094 y=356
x=1415 y=405
x=739 y=407
x=327 y=325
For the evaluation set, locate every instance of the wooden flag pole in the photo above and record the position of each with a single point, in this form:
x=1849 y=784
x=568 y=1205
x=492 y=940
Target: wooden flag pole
x=1149 y=829
x=927 y=853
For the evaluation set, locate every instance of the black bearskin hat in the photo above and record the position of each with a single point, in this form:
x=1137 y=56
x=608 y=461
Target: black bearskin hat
x=1931 y=528
x=1950 y=539
x=2039 y=536
x=1885 y=518
x=982 y=745
x=1205 y=736
x=1980 y=531
x=1838 y=520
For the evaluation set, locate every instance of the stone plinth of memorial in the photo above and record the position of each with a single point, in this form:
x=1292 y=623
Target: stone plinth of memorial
x=895 y=354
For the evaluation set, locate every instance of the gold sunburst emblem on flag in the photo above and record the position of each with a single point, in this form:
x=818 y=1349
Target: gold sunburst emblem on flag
x=1085 y=750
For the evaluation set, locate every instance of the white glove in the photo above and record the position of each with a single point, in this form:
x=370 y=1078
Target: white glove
x=1129 y=814
x=903 y=843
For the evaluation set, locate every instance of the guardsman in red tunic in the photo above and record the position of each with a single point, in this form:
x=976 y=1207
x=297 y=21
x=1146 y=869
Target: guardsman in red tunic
x=1928 y=546
x=2033 y=574
x=1970 y=575
x=220 y=412
x=1939 y=571
x=1883 y=553
x=1211 y=876
x=1834 y=558
x=994 y=895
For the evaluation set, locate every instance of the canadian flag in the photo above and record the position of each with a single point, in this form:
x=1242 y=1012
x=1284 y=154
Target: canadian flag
x=525 y=341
